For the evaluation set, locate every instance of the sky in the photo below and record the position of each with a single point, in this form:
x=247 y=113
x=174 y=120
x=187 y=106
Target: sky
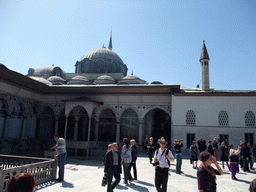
x=159 y=40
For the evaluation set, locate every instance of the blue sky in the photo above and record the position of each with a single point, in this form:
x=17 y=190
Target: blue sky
x=158 y=40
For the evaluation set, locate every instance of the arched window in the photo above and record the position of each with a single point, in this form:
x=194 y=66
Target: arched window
x=223 y=118
x=249 y=119
x=190 y=117
x=101 y=65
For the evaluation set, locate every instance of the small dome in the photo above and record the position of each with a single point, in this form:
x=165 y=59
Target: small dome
x=42 y=80
x=78 y=80
x=156 y=83
x=56 y=80
x=47 y=71
x=104 y=79
x=131 y=77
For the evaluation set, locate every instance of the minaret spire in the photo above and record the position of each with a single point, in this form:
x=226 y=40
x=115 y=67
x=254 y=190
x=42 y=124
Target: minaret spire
x=204 y=60
x=110 y=41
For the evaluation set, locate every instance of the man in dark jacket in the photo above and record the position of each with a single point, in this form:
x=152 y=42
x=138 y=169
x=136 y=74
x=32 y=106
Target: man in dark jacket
x=201 y=145
x=134 y=158
x=113 y=167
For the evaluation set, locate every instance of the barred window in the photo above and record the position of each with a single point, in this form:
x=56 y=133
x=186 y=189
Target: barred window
x=249 y=119
x=223 y=118
x=190 y=117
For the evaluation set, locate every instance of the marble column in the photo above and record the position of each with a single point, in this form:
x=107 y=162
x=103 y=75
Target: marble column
x=117 y=132
x=23 y=129
x=96 y=131
x=140 y=133
x=66 y=127
x=88 y=140
x=76 y=127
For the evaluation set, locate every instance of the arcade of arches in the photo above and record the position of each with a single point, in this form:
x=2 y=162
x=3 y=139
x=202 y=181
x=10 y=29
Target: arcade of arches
x=106 y=128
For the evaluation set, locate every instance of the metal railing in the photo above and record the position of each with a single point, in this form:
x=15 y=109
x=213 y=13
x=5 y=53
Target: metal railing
x=42 y=169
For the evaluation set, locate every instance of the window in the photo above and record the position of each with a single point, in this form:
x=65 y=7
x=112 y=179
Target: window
x=249 y=119
x=223 y=118
x=190 y=117
x=190 y=138
x=249 y=137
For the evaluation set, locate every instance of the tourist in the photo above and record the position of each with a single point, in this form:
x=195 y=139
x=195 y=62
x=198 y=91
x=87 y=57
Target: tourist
x=193 y=154
x=241 y=158
x=210 y=149
x=224 y=154
x=162 y=160
x=151 y=149
x=126 y=155
x=113 y=167
x=145 y=143
x=206 y=174
x=215 y=146
x=134 y=158
x=252 y=187
x=61 y=155
x=109 y=148
x=201 y=144
x=254 y=152
x=234 y=160
x=177 y=147
x=246 y=156
x=23 y=182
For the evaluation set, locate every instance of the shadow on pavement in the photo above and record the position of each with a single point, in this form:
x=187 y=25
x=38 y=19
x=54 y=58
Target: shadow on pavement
x=44 y=185
x=244 y=181
x=67 y=184
x=121 y=187
x=145 y=183
x=137 y=187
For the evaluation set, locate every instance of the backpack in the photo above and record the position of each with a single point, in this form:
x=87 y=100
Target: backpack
x=166 y=153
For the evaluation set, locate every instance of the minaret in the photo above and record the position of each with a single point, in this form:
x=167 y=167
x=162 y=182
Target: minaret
x=110 y=41
x=204 y=60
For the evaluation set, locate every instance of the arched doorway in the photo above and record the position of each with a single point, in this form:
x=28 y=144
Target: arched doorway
x=107 y=126
x=30 y=129
x=157 y=123
x=129 y=125
x=16 y=120
x=47 y=124
x=2 y=118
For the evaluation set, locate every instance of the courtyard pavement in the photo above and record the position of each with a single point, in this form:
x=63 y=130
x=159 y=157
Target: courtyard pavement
x=86 y=176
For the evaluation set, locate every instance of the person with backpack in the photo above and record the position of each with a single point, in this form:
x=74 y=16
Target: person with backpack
x=162 y=160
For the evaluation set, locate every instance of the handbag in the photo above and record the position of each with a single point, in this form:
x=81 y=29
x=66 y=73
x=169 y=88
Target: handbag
x=104 y=181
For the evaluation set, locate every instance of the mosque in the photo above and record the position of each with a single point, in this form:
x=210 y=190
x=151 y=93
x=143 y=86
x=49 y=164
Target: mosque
x=100 y=103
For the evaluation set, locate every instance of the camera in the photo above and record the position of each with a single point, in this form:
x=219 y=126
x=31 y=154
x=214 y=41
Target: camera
x=156 y=163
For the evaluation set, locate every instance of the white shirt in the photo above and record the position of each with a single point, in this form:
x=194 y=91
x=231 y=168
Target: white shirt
x=61 y=146
x=161 y=158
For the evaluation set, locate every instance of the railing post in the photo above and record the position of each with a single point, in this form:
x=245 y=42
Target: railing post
x=55 y=169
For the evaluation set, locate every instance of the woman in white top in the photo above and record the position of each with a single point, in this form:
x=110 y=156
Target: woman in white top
x=234 y=160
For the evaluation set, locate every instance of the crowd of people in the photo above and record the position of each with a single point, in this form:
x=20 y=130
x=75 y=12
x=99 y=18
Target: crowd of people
x=160 y=157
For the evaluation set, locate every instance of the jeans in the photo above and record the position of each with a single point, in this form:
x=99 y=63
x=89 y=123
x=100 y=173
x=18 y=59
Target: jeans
x=134 y=169
x=61 y=164
x=110 y=176
x=246 y=165
x=179 y=162
x=127 y=174
x=161 y=179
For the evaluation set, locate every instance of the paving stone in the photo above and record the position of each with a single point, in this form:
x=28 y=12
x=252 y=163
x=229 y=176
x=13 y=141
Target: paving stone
x=86 y=176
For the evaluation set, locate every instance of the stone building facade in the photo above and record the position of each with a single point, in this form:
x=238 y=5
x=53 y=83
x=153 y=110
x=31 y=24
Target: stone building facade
x=99 y=104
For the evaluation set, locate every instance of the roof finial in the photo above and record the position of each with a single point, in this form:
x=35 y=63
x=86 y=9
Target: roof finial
x=132 y=72
x=110 y=41
x=103 y=46
x=203 y=41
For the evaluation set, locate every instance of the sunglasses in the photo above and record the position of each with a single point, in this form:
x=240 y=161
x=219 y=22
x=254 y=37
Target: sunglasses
x=162 y=143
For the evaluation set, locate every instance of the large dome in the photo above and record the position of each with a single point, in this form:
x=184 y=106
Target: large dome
x=102 y=53
x=101 y=60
